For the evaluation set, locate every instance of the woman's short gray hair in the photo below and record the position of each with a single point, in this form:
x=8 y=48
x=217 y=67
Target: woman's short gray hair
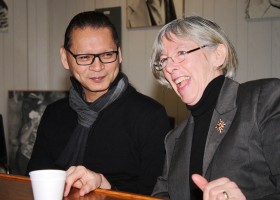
x=203 y=32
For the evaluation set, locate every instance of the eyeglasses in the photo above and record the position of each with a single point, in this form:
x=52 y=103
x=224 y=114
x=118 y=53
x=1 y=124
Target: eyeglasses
x=88 y=59
x=177 y=58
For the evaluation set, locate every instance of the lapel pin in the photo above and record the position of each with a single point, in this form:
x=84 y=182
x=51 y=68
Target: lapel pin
x=220 y=126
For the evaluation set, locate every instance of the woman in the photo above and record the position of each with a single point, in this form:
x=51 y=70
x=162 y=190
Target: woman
x=226 y=148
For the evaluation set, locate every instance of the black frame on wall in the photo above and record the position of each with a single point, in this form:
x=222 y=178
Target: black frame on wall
x=114 y=14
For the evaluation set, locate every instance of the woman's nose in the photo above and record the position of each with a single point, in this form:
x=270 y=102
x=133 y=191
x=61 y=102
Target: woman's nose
x=170 y=65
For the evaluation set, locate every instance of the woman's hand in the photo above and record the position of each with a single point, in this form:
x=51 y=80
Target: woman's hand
x=84 y=179
x=219 y=189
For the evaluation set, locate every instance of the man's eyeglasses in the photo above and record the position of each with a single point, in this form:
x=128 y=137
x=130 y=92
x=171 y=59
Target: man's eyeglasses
x=88 y=59
x=177 y=58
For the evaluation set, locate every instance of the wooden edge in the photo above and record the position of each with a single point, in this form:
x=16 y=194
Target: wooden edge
x=104 y=191
x=15 y=177
x=124 y=194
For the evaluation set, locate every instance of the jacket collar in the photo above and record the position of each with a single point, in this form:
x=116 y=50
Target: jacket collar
x=223 y=115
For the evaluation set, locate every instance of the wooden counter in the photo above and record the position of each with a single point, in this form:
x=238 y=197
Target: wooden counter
x=19 y=187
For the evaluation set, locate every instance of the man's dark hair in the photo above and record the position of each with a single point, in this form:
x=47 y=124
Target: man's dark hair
x=92 y=19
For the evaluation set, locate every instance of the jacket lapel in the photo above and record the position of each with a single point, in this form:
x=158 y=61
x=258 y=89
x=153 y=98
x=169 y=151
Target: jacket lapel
x=221 y=120
x=179 y=166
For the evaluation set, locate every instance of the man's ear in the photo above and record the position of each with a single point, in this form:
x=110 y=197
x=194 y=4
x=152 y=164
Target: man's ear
x=63 y=58
x=220 y=55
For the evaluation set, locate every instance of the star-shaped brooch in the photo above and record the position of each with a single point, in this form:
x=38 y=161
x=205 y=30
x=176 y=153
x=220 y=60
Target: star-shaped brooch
x=220 y=126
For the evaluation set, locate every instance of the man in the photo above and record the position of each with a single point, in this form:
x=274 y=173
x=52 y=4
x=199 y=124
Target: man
x=106 y=133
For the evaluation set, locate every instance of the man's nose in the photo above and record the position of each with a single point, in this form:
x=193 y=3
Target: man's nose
x=97 y=65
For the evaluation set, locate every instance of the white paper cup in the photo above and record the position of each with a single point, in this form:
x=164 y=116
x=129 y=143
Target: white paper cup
x=48 y=184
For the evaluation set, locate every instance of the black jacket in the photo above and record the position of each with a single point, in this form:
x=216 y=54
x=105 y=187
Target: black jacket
x=126 y=143
x=245 y=150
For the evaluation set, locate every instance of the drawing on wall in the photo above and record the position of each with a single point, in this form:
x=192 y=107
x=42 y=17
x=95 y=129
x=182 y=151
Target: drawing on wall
x=25 y=111
x=145 y=13
x=3 y=16
x=263 y=9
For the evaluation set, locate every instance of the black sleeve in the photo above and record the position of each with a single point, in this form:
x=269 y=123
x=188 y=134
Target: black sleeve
x=152 y=129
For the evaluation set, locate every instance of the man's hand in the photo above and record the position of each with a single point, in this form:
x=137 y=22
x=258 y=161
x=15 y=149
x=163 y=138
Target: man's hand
x=84 y=179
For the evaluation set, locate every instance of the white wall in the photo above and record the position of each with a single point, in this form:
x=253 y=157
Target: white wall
x=29 y=52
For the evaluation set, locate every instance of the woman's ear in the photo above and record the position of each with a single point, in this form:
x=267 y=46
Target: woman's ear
x=120 y=55
x=63 y=58
x=220 y=55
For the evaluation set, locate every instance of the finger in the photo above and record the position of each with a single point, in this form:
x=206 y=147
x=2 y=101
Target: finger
x=67 y=189
x=216 y=187
x=93 y=181
x=70 y=170
x=86 y=189
x=67 y=184
x=73 y=178
x=211 y=190
x=200 y=181
x=79 y=172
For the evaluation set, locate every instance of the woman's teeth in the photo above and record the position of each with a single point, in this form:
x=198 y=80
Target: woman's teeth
x=179 y=80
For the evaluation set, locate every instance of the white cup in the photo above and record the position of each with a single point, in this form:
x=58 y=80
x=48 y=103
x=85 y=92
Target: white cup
x=48 y=184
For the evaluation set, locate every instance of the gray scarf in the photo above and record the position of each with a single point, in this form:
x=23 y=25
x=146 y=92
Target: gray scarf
x=73 y=153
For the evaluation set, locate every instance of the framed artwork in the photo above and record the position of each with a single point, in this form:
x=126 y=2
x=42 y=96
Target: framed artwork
x=146 y=13
x=263 y=9
x=3 y=16
x=25 y=111
x=114 y=14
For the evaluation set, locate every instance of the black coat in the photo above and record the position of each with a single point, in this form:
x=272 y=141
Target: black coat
x=126 y=143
